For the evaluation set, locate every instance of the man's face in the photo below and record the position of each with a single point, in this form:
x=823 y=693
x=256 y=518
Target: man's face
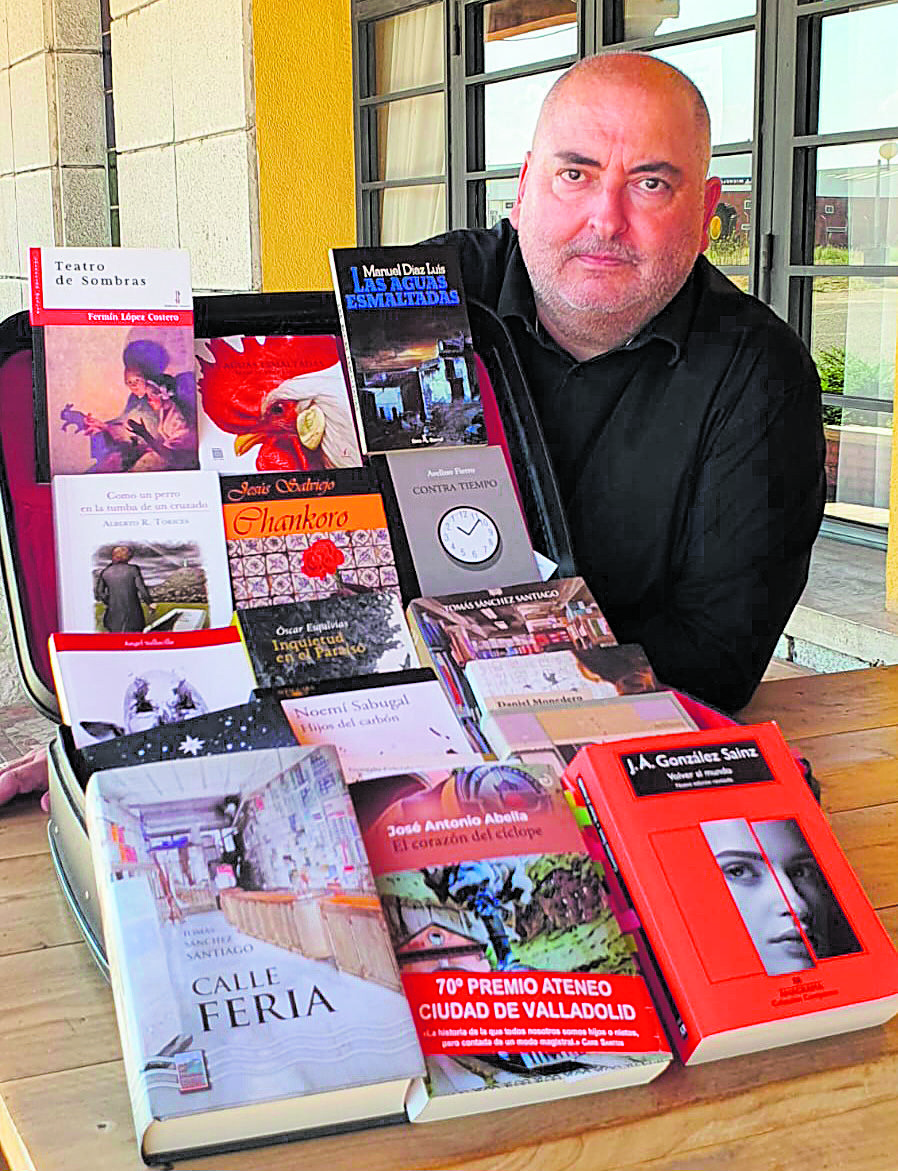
x=613 y=206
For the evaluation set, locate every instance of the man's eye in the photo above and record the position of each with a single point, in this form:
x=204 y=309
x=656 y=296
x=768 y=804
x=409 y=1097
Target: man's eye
x=572 y=175
x=651 y=183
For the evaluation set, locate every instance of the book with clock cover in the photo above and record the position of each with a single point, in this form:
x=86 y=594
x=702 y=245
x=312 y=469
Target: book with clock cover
x=327 y=638
x=522 y=985
x=274 y=404
x=112 y=336
x=256 y=993
x=111 y=685
x=136 y=553
x=408 y=347
x=299 y=536
x=752 y=928
x=462 y=519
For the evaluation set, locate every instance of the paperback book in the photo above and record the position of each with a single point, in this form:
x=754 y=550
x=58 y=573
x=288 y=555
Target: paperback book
x=462 y=519
x=274 y=404
x=751 y=926
x=304 y=536
x=111 y=685
x=327 y=639
x=255 y=989
x=140 y=554
x=112 y=336
x=522 y=986
x=408 y=347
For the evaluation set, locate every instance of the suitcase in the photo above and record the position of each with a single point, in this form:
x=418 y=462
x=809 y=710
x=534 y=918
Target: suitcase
x=26 y=531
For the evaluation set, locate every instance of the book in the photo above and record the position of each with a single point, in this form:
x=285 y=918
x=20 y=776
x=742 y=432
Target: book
x=522 y=986
x=327 y=638
x=462 y=519
x=382 y=722
x=274 y=403
x=408 y=347
x=255 y=989
x=260 y=723
x=112 y=335
x=554 y=733
x=296 y=537
x=134 y=554
x=559 y=677
x=111 y=685
x=752 y=928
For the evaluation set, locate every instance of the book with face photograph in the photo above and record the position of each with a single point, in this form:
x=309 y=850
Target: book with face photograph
x=749 y=922
x=256 y=992
x=115 y=389
x=408 y=347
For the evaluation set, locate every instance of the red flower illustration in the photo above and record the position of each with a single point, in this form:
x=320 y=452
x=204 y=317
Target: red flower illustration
x=322 y=559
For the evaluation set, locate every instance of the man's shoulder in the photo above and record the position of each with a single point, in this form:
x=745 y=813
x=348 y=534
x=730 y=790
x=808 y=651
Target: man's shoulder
x=484 y=254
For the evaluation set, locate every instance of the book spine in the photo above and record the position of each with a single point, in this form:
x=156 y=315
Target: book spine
x=347 y=348
x=42 y=470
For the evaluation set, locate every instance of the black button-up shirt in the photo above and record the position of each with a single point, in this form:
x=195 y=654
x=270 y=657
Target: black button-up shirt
x=690 y=463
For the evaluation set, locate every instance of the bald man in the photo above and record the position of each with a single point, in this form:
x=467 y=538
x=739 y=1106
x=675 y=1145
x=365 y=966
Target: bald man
x=683 y=416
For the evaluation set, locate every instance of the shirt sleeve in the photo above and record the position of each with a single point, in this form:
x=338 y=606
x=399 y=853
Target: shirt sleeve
x=743 y=559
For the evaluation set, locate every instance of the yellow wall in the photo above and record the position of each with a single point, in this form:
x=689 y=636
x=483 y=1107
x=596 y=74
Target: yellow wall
x=302 y=52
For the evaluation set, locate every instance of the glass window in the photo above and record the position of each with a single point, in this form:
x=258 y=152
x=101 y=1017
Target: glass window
x=410 y=214
x=657 y=18
x=511 y=108
x=500 y=197
x=858 y=78
x=723 y=68
x=856 y=211
x=523 y=32
x=411 y=137
x=731 y=224
x=408 y=50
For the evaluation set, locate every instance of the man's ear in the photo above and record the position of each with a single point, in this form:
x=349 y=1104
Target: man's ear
x=712 y=198
x=515 y=214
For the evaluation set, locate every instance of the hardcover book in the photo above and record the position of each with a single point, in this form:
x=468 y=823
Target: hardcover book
x=140 y=554
x=255 y=989
x=112 y=334
x=562 y=677
x=408 y=347
x=274 y=404
x=111 y=685
x=553 y=734
x=751 y=926
x=327 y=639
x=379 y=723
x=298 y=537
x=462 y=519
x=522 y=986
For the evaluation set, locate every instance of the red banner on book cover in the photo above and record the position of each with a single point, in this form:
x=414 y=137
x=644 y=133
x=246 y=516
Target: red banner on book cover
x=530 y=1012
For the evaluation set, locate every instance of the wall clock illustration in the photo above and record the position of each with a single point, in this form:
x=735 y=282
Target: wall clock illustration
x=469 y=536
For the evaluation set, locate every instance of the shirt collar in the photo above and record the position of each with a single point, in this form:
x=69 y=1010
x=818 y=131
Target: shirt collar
x=671 y=325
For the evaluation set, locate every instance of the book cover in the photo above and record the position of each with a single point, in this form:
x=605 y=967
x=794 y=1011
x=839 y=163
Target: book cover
x=256 y=992
x=553 y=734
x=115 y=389
x=522 y=986
x=408 y=347
x=560 y=677
x=462 y=519
x=139 y=554
x=299 y=537
x=377 y=725
x=753 y=928
x=111 y=685
x=258 y=724
x=327 y=639
x=274 y=404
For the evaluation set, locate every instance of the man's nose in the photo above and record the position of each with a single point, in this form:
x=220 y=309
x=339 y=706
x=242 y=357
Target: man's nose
x=607 y=213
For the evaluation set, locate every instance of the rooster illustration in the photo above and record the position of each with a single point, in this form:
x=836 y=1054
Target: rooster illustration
x=285 y=394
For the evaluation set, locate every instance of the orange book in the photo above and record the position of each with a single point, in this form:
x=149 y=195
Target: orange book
x=752 y=929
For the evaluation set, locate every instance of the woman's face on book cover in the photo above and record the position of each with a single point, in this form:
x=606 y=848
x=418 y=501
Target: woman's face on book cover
x=777 y=887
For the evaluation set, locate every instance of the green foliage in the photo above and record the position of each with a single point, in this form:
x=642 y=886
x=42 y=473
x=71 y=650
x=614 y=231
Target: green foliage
x=835 y=365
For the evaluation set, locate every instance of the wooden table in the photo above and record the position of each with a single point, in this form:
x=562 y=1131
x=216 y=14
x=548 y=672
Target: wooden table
x=822 y=1106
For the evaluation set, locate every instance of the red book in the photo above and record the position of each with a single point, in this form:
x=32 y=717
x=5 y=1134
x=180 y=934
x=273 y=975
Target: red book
x=752 y=929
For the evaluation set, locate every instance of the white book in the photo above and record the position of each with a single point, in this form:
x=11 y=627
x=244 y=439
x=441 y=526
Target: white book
x=131 y=550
